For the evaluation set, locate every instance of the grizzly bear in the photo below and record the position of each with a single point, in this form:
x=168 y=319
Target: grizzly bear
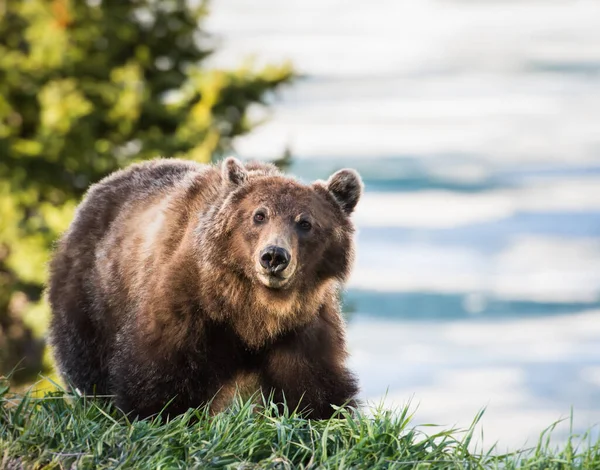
x=178 y=284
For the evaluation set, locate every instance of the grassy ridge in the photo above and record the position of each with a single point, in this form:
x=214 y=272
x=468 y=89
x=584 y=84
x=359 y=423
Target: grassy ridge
x=65 y=431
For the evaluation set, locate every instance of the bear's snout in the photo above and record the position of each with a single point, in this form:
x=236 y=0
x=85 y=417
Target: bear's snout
x=274 y=258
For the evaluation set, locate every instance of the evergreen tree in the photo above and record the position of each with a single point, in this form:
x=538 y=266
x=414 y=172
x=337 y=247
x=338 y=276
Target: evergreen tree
x=87 y=87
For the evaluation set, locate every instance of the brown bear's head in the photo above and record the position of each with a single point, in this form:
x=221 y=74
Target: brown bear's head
x=280 y=234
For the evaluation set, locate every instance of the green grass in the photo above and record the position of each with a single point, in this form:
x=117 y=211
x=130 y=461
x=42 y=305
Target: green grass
x=66 y=431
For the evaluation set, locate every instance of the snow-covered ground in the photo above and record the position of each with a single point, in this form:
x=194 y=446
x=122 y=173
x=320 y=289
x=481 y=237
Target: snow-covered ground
x=476 y=126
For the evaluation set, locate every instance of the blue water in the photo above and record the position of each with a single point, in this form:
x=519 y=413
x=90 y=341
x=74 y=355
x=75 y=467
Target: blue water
x=435 y=306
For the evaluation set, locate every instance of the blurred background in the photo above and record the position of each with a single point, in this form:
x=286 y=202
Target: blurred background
x=475 y=125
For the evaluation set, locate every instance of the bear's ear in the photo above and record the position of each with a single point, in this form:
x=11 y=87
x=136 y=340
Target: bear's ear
x=233 y=172
x=346 y=187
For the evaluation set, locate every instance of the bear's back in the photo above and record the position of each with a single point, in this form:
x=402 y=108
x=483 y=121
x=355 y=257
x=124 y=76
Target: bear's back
x=107 y=199
x=86 y=260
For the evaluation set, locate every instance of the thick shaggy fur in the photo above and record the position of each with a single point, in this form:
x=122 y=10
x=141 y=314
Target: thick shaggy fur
x=156 y=298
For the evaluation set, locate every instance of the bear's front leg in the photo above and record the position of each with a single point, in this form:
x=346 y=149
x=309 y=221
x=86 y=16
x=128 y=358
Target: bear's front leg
x=306 y=368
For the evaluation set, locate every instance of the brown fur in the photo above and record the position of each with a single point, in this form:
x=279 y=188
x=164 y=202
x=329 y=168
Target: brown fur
x=158 y=293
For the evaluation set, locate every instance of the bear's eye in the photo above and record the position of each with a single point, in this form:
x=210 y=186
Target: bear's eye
x=305 y=225
x=259 y=217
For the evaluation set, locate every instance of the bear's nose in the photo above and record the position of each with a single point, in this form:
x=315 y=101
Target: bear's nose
x=274 y=258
